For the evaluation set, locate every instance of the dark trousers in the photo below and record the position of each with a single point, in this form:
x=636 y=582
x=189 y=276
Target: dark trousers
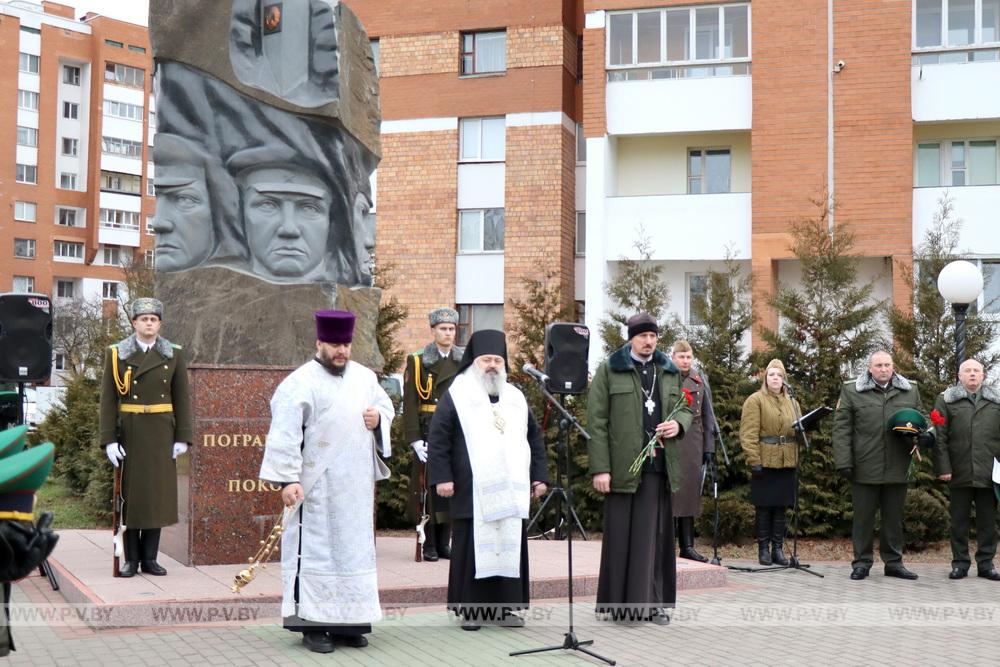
x=960 y=508
x=869 y=499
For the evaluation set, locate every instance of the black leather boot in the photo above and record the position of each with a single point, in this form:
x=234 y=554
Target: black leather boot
x=442 y=538
x=149 y=540
x=685 y=539
x=130 y=542
x=763 y=535
x=778 y=535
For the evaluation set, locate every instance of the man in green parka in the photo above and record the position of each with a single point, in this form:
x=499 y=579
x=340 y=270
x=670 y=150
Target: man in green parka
x=968 y=440
x=875 y=460
x=145 y=422
x=631 y=401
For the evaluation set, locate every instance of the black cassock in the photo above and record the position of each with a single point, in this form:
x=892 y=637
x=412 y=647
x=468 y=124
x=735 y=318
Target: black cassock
x=448 y=461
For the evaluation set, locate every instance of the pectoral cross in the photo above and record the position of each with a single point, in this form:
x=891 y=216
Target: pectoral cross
x=650 y=406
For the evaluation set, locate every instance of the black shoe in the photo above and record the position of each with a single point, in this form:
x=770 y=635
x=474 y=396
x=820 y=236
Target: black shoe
x=990 y=574
x=690 y=554
x=778 y=555
x=958 y=573
x=763 y=553
x=859 y=573
x=430 y=554
x=899 y=572
x=318 y=642
x=442 y=540
x=353 y=641
x=444 y=552
x=153 y=568
x=763 y=520
x=778 y=536
x=659 y=617
x=685 y=539
x=128 y=569
x=470 y=625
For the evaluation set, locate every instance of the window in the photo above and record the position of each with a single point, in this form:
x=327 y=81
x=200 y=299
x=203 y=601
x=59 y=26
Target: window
x=112 y=255
x=708 y=170
x=66 y=217
x=71 y=75
x=957 y=163
x=955 y=23
x=27 y=100
x=581 y=233
x=27 y=136
x=149 y=258
x=480 y=230
x=123 y=110
x=59 y=361
x=27 y=63
x=474 y=317
x=26 y=173
x=128 y=184
x=23 y=284
x=136 y=49
x=991 y=287
x=67 y=250
x=109 y=290
x=484 y=52
x=67 y=181
x=123 y=147
x=65 y=289
x=149 y=226
x=24 y=248
x=482 y=139
x=581 y=145
x=71 y=110
x=125 y=75
x=116 y=219
x=150 y=187
x=697 y=290
x=376 y=55
x=70 y=146
x=30 y=30
x=114 y=43
x=25 y=211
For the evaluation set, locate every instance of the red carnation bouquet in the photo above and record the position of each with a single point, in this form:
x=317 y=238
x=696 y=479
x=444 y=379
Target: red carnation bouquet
x=686 y=400
x=937 y=418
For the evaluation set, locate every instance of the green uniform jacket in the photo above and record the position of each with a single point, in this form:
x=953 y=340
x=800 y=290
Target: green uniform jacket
x=861 y=437
x=417 y=421
x=969 y=439
x=149 y=478
x=768 y=415
x=614 y=417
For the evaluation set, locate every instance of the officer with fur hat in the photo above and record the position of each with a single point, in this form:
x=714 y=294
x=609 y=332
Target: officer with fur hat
x=145 y=425
x=429 y=373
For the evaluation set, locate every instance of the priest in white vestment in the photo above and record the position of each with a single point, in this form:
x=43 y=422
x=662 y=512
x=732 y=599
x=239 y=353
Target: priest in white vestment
x=330 y=423
x=486 y=453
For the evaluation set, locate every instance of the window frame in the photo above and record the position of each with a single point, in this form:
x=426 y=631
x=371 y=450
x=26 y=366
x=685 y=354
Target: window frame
x=463 y=54
x=704 y=150
x=992 y=315
x=20 y=208
x=119 y=220
x=467 y=321
x=30 y=249
x=29 y=285
x=30 y=58
x=74 y=146
x=66 y=209
x=72 y=74
x=945 y=169
x=581 y=217
x=24 y=181
x=689 y=296
x=482 y=231
x=126 y=145
x=30 y=132
x=124 y=110
x=69 y=181
x=71 y=106
x=30 y=95
x=58 y=244
x=115 y=288
x=60 y=283
x=464 y=122
x=943 y=45
x=126 y=76
x=107 y=179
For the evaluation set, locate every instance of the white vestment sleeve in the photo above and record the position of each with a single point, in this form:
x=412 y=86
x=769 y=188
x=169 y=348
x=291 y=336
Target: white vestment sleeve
x=290 y=409
x=383 y=404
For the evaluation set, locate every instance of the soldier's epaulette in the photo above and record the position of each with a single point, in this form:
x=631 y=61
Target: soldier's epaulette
x=176 y=346
x=113 y=347
x=418 y=353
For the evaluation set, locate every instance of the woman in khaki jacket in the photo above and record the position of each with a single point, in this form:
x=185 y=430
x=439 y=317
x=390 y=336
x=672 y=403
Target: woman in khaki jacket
x=768 y=440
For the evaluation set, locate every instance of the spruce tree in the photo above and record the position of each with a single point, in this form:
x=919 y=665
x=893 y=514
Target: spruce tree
x=638 y=286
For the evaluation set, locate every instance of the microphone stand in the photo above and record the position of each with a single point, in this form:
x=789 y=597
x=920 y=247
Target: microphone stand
x=713 y=470
x=570 y=640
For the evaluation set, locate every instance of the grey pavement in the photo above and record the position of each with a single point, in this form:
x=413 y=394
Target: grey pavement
x=760 y=618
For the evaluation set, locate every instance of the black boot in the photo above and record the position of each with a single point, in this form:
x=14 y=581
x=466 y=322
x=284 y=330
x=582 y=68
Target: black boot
x=763 y=535
x=150 y=543
x=778 y=535
x=685 y=539
x=442 y=538
x=130 y=542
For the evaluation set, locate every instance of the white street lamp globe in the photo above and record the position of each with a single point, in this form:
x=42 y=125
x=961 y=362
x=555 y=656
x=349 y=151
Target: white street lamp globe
x=960 y=282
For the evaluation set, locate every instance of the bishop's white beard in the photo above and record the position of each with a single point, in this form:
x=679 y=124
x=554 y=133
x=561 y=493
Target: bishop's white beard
x=491 y=382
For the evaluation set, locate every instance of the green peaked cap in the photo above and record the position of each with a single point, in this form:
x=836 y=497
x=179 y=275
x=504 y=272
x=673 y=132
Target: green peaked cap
x=26 y=471
x=907 y=421
x=13 y=440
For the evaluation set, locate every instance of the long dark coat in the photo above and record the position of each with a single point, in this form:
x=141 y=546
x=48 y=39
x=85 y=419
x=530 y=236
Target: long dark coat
x=969 y=439
x=698 y=439
x=149 y=478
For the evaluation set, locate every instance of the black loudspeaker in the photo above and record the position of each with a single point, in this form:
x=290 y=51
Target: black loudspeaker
x=567 y=345
x=25 y=337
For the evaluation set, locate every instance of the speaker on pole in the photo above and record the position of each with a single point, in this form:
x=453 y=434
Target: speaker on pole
x=25 y=337
x=567 y=345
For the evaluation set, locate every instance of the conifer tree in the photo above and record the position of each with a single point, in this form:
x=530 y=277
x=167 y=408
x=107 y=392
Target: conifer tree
x=638 y=286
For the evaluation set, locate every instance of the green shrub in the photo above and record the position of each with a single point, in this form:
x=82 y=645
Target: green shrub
x=925 y=520
x=736 y=517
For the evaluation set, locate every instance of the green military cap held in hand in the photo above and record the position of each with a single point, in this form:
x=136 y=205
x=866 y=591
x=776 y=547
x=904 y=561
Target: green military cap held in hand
x=20 y=476
x=13 y=440
x=907 y=422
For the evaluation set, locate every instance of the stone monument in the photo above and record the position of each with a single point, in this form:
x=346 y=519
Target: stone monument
x=267 y=135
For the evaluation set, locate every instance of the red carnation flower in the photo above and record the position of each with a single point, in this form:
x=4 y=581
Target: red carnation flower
x=937 y=418
x=688 y=396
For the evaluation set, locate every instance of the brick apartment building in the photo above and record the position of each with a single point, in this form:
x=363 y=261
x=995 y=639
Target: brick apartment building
x=76 y=187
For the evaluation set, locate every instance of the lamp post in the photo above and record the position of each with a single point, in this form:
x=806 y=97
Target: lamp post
x=960 y=283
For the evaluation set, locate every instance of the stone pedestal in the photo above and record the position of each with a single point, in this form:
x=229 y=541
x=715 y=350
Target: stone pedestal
x=224 y=510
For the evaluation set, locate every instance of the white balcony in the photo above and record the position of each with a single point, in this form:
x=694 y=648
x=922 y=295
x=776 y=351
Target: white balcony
x=956 y=91
x=679 y=105
x=123 y=236
x=975 y=205
x=479 y=278
x=680 y=227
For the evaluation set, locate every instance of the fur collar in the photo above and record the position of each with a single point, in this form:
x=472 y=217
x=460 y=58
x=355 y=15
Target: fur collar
x=958 y=392
x=621 y=360
x=430 y=354
x=130 y=346
x=865 y=382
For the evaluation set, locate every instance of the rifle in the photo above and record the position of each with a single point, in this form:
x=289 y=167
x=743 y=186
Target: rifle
x=116 y=520
x=418 y=553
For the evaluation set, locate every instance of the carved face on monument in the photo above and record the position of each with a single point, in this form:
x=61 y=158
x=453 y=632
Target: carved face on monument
x=286 y=216
x=183 y=223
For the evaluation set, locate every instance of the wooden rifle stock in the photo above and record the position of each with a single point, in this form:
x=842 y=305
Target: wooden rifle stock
x=116 y=520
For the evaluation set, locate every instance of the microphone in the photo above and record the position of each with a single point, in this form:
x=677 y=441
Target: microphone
x=535 y=373
x=788 y=386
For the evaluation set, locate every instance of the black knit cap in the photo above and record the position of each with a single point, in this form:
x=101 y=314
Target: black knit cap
x=484 y=341
x=641 y=323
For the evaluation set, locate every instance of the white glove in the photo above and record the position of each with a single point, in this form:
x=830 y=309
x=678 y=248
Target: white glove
x=420 y=449
x=180 y=448
x=115 y=453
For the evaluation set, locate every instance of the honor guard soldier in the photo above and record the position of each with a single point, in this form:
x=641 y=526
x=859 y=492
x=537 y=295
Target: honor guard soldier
x=429 y=373
x=145 y=422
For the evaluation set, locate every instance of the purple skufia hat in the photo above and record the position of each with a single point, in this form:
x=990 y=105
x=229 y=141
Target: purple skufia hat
x=334 y=326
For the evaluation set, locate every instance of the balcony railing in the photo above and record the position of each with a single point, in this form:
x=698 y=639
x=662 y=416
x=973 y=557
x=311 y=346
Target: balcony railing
x=680 y=71
x=951 y=56
x=124 y=226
